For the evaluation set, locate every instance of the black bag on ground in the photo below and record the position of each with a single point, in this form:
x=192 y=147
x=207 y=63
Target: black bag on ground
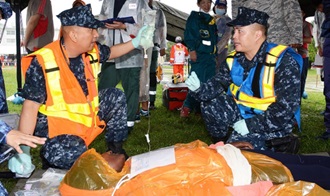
x=289 y=144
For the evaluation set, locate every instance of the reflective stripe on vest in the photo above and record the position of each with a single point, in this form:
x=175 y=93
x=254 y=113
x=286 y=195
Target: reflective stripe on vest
x=267 y=86
x=76 y=112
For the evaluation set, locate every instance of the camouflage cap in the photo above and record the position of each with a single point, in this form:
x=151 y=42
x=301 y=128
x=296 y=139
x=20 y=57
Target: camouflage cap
x=221 y=2
x=80 y=16
x=247 y=16
x=6 y=10
x=63 y=150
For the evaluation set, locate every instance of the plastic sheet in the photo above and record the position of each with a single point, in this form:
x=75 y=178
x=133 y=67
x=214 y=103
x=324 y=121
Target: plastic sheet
x=198 y=170
x=265 y=168
x=297 y=188
x=91 y=175
x=46 y=185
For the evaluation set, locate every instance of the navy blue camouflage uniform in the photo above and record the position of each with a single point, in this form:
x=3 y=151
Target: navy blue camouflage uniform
x=3 y=102
x=4 y=130
x=220 y=110
x=112 y=109
x=6 y=13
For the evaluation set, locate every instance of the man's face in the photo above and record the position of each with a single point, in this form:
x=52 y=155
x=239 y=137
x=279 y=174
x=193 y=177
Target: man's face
x=243 y=38
x=86 y=38
x=205 y=5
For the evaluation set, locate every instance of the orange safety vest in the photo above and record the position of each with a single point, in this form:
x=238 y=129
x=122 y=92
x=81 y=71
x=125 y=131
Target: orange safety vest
x=67 y=108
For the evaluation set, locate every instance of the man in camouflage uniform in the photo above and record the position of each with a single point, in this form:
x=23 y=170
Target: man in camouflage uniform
x=5 y=13
x=78 y=70
x=325 y=34
x=233 y=98
x=285 y=26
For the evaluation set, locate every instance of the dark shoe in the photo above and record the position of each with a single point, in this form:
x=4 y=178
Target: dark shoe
x=152 y=107
x=137 y=118
x=324 y=136
x=184 y=113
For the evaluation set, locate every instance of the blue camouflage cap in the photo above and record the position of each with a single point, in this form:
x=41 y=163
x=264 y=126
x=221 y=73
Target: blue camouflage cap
x=80 y=16
x=63 y=150
x=247 y=16
x=6 y=10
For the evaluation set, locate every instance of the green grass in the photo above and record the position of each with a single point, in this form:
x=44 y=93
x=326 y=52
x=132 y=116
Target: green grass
x=167 y=128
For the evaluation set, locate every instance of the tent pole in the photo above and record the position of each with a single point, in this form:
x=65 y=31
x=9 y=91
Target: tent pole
x=18 y=47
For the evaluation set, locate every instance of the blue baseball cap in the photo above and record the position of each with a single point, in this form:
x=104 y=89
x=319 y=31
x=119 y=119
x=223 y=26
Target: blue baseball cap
x=221 y=2
x=81 y=16
x=247 y=16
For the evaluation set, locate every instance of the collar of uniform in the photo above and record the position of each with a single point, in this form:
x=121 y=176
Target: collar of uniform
x=258 y=58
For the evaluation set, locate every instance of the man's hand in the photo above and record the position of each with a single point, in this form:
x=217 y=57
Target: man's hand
x=193 y=56
x=162 y=52
x=115 y=25
x=240 y=127
x=193 y=82
x=15 y=138
x=320 y=51
x=144 y=37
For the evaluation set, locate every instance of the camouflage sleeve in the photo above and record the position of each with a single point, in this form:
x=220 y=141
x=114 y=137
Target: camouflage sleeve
x=34 y=88
x=214 y=86
x=292 y=16
x=287 y=90
x=4 y=130
x=104 y=52
x=3 y=191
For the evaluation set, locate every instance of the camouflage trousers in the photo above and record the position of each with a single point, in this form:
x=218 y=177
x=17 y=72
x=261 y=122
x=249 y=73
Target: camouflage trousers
x=221 y=113
x=61 y=151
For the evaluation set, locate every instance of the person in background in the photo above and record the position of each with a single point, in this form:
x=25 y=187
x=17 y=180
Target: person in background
x=285 y=26
x=39 y=25
x=78 y=3
x=319 y=17
x=303 y=51
x=19 y=141
x=125 y=68
x=200 y=37
x=158 y=50
x=62 y=101
x=224 y=31
x=259 y=102
x=5 y=13
x=179 y=54
x=325 y=34
x=148 y=81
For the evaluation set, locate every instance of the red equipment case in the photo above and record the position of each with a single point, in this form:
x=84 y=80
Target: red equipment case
x=174 y=95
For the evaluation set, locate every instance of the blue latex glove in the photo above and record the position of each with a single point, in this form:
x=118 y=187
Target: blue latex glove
x=240 y=127
x=21 y=164
x=193 y=82
x=144 y=37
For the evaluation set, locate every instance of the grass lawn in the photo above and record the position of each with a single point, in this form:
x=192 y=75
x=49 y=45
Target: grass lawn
x=166 y=128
